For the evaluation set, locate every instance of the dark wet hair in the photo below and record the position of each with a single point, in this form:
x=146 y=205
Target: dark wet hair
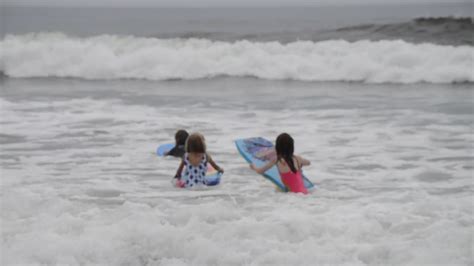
x=196 y=143
x=180 y=137
x=284 y=149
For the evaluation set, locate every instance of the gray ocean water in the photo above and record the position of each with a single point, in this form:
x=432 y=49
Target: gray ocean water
x=447 y=23
x=378 y=98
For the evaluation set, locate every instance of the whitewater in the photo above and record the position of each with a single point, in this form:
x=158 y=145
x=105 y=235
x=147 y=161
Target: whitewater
x=82 y=185
x=128 y=57
x=379 y=98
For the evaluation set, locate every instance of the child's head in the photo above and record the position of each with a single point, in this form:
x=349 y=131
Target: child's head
x=284 y=147
x=180 y=137
x=195 y=143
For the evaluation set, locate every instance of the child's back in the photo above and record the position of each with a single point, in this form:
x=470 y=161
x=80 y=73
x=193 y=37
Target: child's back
x=292 y=180
x=289 y=165
x=194 y=163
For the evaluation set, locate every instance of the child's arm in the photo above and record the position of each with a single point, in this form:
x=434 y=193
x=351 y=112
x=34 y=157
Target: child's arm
x=180 y=170
x=171 y=152
x=211 y=161
x=264 y=168
x=302 y=161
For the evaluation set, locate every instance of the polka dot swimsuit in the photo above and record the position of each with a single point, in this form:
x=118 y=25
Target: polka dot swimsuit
x=194 y=174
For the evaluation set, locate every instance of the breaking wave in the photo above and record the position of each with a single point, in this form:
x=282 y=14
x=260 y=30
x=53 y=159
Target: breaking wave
x=128 y=57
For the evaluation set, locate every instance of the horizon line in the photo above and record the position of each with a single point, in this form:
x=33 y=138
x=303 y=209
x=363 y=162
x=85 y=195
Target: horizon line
x=281 y=5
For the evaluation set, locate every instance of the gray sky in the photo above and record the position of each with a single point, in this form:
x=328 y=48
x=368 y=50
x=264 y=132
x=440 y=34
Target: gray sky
x=212 y=3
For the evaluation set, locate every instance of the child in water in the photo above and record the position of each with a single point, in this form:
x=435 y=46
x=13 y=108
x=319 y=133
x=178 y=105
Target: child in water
x=180 y=140
x=194 y=163
x=289 y=165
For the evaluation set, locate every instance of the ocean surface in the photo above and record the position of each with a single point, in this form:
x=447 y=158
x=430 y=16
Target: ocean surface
x=380 y=99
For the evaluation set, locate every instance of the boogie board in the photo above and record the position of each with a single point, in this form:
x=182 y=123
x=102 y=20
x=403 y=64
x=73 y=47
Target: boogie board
x=213 y=177
x=164 y=148
x=259 y=151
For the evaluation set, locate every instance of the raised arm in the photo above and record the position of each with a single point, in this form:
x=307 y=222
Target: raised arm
x=264 y=168
x=211 y=161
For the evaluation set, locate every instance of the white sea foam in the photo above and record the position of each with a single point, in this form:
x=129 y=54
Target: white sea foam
x=81 y=184
x=123 y=57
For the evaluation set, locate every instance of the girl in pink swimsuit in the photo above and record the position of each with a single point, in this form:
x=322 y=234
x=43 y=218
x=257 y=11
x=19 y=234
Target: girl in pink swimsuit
x=288 y=164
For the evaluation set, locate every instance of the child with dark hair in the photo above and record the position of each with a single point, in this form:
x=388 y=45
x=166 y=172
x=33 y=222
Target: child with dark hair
x=180 y=140
x=289 y=165
x=194 y=163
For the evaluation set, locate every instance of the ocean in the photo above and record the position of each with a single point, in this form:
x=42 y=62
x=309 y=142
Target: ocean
x=378 y=97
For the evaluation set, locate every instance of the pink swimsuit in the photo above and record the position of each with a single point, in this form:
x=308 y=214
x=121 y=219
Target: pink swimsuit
x=294 y=181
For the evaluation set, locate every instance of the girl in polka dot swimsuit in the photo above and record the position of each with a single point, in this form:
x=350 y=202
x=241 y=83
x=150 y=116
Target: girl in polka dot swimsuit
x=194 y=163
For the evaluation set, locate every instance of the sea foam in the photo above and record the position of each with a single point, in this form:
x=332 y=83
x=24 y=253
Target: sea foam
x=81 y=184
x=128 y=57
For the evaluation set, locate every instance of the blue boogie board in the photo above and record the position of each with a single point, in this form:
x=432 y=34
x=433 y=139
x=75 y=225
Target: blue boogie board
x=213 y=177
x=259 y=151
x=164 y=148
